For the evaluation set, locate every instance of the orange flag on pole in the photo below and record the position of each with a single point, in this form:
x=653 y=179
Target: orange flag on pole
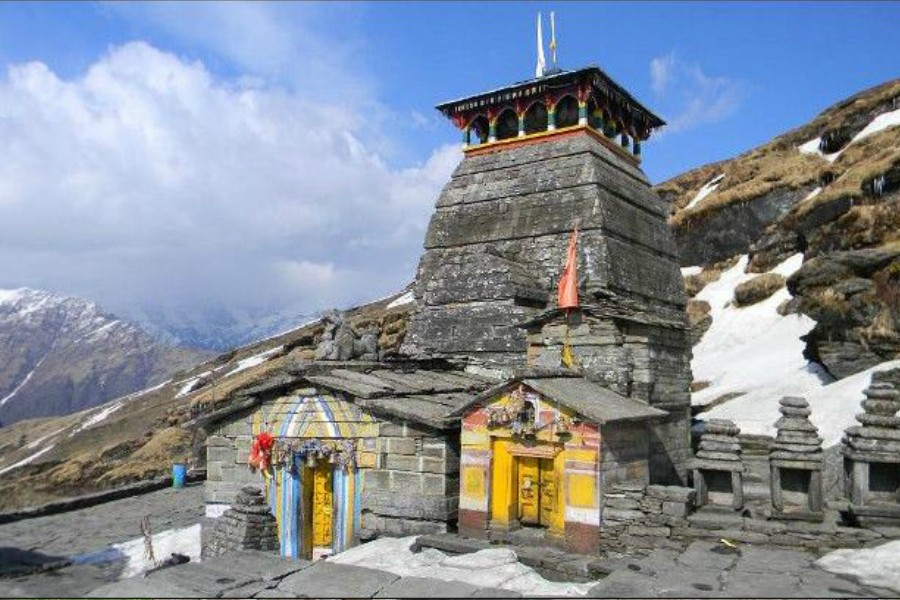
x=568 y=284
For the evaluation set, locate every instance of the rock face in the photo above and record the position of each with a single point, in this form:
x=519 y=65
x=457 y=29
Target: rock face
x=496 y=245
x=248 y=525
x=60 y=354
x=824 y=191
x=855 y=300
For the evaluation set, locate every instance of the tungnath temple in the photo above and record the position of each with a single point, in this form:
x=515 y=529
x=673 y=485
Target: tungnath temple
x=506 y=416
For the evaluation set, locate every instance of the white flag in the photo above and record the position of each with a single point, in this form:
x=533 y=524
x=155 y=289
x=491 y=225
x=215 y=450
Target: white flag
x=539 y=69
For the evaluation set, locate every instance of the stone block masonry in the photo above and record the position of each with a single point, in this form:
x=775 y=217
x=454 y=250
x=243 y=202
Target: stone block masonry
x=496 y=245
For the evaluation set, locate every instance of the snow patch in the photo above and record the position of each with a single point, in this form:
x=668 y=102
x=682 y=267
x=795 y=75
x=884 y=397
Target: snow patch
x=871 y=566
x=99 y=417
x=38 y=441
x=25 y=461
x=146 y=390
x=498 y=568
x=705 y=191
x=406 y=298
x=811 y=147
x=192 y=384
x=813 y=194
x=214 y=511
x=9 y=396
x=256 y=359
x=752 y=351
x=879 y=123
x=11 y=296
x=687 y=271
x=183 y=541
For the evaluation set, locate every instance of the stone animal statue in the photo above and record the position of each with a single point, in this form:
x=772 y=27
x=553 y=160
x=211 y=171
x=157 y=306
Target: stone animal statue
x=340 y=342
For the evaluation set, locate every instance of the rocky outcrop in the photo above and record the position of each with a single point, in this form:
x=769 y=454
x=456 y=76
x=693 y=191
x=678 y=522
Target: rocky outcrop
x=758 y=289
x=853 y=299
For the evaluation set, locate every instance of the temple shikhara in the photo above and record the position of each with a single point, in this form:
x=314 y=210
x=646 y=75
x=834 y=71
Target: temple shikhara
x=541 y=394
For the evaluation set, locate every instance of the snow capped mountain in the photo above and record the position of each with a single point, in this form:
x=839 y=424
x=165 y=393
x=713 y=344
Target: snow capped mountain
x=60 y=354
x=219 y=328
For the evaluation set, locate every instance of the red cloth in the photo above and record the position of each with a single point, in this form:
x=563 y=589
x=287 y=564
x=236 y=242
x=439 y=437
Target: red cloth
x=261 y=452
x=568 y=284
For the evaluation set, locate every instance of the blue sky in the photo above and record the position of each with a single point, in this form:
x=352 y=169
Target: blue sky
x=780 y=63
x=288 y=155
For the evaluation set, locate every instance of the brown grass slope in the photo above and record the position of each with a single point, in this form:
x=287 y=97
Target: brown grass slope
x=150 y=430
x=778 y=164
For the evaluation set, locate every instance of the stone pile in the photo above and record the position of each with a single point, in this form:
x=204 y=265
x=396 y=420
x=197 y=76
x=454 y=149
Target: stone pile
x=248 y=525
x=797 y=447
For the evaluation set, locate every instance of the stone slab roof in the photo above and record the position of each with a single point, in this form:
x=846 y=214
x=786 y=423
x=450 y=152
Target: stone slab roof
x=423 y=395
x=591 y=400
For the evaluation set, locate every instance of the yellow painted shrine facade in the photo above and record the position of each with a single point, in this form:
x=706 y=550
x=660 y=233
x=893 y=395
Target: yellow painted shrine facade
x=529 y=459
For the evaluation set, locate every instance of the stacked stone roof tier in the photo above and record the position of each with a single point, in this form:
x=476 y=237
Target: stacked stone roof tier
x=877 y=438
x=720 y=448
x=797 y=442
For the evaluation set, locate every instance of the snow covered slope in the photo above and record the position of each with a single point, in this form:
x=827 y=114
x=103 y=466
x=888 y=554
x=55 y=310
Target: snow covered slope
x=753 y=350
x=60 y=354
x=752 y=356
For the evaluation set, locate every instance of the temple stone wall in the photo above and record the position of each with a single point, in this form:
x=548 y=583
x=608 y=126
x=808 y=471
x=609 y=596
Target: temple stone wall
x=409 y=473
x=496 y=245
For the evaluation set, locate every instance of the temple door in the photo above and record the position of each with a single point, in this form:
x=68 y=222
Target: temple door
x=529 y=477
x=548 y=492
x=323 y=505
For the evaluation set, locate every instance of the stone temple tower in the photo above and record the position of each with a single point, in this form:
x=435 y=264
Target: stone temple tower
x=541 y=157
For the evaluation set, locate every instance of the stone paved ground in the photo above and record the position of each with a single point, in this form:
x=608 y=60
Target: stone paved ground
x=88 y=530
x=704 y=569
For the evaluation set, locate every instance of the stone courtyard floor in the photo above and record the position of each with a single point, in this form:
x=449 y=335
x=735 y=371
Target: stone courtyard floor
x=704 y=569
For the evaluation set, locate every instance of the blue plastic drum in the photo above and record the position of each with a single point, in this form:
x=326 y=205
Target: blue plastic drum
x=179 y=472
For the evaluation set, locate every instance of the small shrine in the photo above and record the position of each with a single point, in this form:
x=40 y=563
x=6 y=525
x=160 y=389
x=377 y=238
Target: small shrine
x=872 y=457
x=796 y=462
x=718 y=468
x=538 y=453
x=555 y=103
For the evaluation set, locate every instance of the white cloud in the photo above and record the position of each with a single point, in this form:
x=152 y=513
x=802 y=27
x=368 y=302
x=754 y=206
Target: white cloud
x=688 y=97
x=150 y=181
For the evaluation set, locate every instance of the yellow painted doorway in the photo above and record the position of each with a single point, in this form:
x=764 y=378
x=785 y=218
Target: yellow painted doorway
x=538 y=498
x=319 y=498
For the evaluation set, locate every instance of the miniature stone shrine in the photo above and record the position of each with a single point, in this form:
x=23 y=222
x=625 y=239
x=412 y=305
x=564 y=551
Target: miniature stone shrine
x=872 y=457
x=718 y=469
x=796 y=462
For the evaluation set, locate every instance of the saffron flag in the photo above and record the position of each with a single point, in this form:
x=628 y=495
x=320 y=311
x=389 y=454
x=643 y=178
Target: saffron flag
x=568 y=284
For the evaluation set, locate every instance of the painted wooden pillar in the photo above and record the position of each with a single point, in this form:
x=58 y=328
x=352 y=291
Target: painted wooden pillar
x=521 y=124
x=492 y=131
x=551 y=118
x=636 y=148
x=625 y=140
x=503 y=487
x=467 y=136
x=558 y=523
x=582 y=113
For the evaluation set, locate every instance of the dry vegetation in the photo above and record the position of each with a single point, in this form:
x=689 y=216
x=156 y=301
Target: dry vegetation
x=758 y=289
x=150 y=431
x=779 y=165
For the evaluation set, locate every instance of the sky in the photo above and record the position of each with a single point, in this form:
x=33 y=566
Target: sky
x=272 y=156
